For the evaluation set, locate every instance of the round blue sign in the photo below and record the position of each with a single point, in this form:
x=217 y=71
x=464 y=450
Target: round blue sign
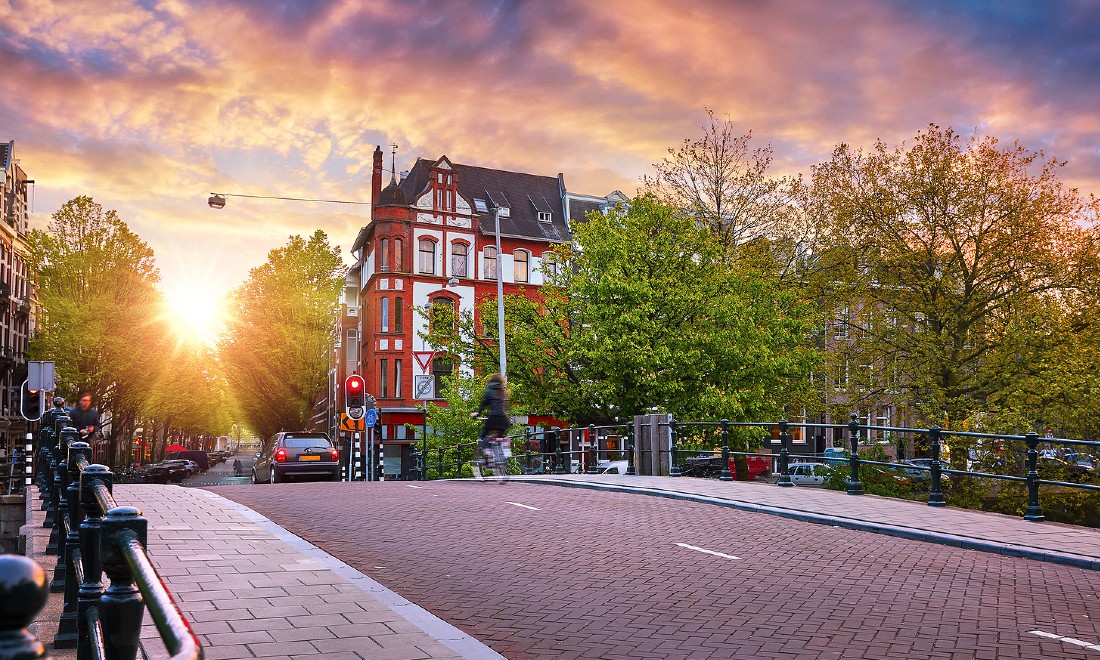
x=371 y=418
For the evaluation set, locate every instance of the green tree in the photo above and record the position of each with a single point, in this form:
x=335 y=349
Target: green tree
x=647 y=311
x=97 y=284
x=275 y=353
x=948 y=264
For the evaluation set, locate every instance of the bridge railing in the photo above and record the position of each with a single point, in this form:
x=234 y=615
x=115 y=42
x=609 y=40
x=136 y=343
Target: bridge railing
x=92 y=535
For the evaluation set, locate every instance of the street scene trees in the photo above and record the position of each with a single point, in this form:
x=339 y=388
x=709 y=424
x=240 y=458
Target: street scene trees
x=275 y=351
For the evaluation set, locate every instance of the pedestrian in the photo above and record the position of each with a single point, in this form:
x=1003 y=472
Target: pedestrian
x=84 y=417
x=238 y=467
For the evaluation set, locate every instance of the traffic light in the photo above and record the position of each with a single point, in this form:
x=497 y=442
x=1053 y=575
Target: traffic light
x=30 y=403
x=355 y=392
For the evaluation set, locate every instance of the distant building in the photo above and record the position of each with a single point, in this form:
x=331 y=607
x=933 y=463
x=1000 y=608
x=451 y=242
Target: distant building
x=432 y=226
x=17 y=295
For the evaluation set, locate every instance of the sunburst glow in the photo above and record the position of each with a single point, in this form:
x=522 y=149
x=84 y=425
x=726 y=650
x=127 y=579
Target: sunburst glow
x=197 y=312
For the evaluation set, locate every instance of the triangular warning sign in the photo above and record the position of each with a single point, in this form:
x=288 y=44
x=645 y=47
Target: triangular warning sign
x=424 y=358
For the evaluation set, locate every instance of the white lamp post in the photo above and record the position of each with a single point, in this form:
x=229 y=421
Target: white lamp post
x=500 y=295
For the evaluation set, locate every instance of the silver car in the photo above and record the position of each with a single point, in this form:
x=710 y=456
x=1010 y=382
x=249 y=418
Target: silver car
x=307 y=454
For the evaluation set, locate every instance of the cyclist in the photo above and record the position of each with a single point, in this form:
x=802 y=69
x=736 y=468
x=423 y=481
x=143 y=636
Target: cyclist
x=495 y=401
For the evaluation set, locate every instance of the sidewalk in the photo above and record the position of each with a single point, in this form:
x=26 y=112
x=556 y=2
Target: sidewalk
x=250 y=589
x=974 y=530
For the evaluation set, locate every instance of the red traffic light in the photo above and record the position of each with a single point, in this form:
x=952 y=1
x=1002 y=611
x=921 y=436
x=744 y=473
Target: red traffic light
x=355 y=383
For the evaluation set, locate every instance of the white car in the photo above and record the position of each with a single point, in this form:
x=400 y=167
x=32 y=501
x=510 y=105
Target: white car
x=612 y=467
x=808 y=474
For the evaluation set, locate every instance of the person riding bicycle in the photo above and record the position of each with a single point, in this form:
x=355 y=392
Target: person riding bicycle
x=495 y=400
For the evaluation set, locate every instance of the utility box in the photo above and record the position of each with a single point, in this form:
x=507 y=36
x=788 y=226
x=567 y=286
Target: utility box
x=652 y=444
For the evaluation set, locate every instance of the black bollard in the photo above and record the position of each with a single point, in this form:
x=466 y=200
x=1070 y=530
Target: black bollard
x=630 y=471
x=593 y=450
x=784 y=456
x=936 y=498
x=121 y=606
x=855 y=486
x=91 y=590
x=23 y=593
x=1034 y=512
x=674 y=451
x=725 y=474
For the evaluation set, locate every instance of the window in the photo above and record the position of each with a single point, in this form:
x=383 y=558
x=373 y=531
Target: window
x=351 y=349
x=481 y=206
x=384 y=325
x=549 y=264
x=546 y=216
x=442 y=315
x=459 y=253
x=398 y=306
x=490 y=262
x=441 y=368
x=521 y=258
x=384 y=257
x=397 y=379
x=397 y=256
x=505 y=212
x=840 y=326
x=427 y=256
x=383 y=378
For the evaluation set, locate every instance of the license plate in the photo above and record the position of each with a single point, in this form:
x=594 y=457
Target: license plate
x=309 y=458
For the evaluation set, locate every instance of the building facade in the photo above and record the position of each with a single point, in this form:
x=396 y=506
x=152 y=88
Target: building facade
x=17 y=296
x=432 y=241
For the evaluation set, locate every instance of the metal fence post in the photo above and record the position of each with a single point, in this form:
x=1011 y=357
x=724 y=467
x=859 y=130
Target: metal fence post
x=23 y=591
x=784 y=457
x=593 y=450
x=855 y=486
x=559 y=458
x=725 y=475
x=91 y=590
x=1034 y=512
x=935 y=498
x=674 y=451
x=121 y=606
x=630 y=471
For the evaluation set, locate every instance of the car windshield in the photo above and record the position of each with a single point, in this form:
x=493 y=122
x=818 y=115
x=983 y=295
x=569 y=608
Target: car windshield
x=298 y=442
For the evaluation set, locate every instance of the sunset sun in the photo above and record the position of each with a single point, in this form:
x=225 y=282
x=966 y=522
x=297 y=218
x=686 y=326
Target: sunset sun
x=196 y=311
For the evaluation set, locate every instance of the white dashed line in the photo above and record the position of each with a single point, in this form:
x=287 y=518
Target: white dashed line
x=709 y=552
x=1066 y=640
x=412 y=486
x=522 y=505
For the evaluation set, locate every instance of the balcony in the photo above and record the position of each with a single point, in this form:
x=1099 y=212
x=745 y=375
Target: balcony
x=7 y=360
x=23 y=308
x=5 y=293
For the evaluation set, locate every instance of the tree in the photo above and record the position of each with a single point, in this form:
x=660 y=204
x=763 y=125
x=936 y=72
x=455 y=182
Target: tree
x=96 y=283
x=647 y=311
x=276 y=349
x=948 y=263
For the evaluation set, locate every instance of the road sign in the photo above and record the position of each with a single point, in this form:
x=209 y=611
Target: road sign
x=371 y=418
x=355 y=413
x=425 y=387
x=40 y=375
x=424 y=358
x=351 y=425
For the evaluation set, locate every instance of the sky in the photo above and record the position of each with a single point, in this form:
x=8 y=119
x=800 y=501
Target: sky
x=148 y=106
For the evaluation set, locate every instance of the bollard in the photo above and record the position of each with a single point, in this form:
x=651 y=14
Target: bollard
x=23 y=593
x=559 y=459
x=593 y=455
x=121 y=606
x=630 y=471
x=725 y=474
x=784 y=457
x=1033 y=513
x=935 y=498
x=855 y=486
x=91 y=589
x=64 y=576
x=51 y=507
x=674 y=452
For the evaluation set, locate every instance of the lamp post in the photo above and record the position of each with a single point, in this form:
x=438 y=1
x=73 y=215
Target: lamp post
x=500 y=295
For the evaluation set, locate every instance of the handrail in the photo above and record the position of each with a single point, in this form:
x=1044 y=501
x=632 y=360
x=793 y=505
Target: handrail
x=177 y=635
x=95 y=633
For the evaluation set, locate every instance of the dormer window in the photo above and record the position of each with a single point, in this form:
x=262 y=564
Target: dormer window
x=546 y=216
x=481 y=206
x=505 y=212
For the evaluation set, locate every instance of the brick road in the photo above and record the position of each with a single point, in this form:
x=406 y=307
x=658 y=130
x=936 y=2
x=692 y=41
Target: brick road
x=600 y=575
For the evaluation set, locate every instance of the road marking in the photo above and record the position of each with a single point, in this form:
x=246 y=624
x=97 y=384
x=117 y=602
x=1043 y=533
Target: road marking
x=1067 y=640
x=412 y=486
x=709 y=552
x=522 y=505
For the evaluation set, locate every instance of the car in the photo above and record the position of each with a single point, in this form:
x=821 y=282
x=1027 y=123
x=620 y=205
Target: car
x=612 y=467
x=808 y=474
x=177 y=470
x=302 y=454
x=836 y=455
x=200 y=458
x=154 y=474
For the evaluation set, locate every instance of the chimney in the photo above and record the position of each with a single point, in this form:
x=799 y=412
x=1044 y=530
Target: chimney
x=376 y=178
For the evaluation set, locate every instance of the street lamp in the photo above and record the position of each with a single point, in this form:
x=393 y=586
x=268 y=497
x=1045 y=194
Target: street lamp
x=500 y=295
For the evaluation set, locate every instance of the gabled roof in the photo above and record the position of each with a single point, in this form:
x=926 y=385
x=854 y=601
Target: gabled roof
x=525 y=196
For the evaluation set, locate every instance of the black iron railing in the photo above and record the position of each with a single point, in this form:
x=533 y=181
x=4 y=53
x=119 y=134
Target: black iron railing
x=92 y=535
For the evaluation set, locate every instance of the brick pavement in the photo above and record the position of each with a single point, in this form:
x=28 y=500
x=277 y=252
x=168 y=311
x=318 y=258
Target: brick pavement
x=975 y=530
x=612 y=575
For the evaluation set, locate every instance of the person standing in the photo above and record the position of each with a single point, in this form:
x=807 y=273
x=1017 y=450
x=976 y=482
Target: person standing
x=84 y=417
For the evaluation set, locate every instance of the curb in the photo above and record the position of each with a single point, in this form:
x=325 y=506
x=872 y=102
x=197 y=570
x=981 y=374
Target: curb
x=940 y=538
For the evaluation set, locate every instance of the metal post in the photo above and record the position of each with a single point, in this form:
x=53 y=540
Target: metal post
x=674 y=451
x=630 y=471
x=1033 y=513
x=500 y=295
x=357 y=460
x=855 y=486
x=23 y=591
x=559 y=459
x=592 y=450
x=935 y=498
x=121 y=606
x=725 y=474
x=784 y=457
x=28 y=469
x=424 y=439
x=91 y=589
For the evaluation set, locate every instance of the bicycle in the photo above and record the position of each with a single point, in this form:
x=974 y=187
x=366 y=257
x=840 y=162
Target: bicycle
x=492 y=457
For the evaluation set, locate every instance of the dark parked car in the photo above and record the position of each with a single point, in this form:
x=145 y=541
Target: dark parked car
x=199 y=457
x=178 y=469
x=155 y=474
x=296 y=454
